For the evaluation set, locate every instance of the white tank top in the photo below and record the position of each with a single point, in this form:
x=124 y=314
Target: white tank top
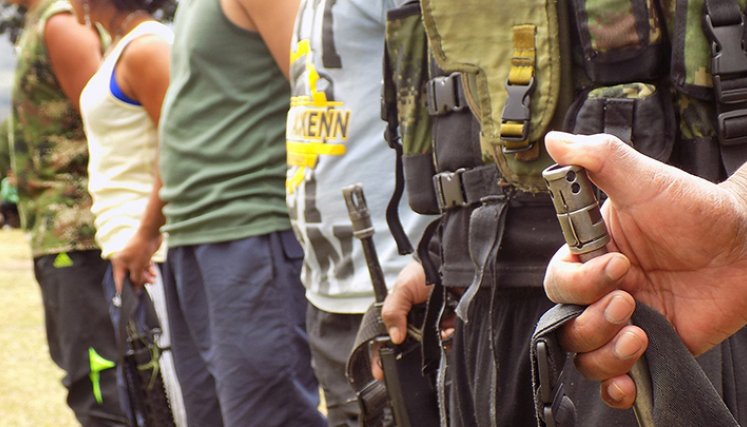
x=123 y=146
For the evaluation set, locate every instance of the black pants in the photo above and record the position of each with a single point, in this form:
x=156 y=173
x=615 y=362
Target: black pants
x=80 y=334
x=331 y=338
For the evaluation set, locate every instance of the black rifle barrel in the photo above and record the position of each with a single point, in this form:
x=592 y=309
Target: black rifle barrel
x=586 y=234
x=363 y=229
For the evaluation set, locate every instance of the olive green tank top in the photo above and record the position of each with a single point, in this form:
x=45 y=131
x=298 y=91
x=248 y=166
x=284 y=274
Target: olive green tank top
x=222 y=130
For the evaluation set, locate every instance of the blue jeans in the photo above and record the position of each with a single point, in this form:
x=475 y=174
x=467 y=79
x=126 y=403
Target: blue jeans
x=240 y=348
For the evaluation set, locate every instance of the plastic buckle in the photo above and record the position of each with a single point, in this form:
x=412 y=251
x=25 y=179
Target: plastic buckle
x=723 y=131
x=545 y=384
x=444 y=94
x=449 y=193
x=729 y=60
x=517 y=110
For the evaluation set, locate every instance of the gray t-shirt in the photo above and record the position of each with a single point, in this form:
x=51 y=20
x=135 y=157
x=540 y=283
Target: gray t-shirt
x=335 y=139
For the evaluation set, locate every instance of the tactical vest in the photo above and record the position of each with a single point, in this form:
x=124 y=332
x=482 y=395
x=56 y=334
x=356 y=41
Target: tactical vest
x=668 y=78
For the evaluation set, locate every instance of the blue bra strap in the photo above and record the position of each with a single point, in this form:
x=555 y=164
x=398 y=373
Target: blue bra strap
x=117 y=92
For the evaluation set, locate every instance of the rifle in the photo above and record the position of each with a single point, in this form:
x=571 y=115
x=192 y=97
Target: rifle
x=412 y=397
x=140 y=355
x=586 y=234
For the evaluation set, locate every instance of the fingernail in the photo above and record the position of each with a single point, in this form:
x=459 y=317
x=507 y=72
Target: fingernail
x=394 y=333
x=615 y=393
x=618 y=310
x=615 y=268
x=628 y=345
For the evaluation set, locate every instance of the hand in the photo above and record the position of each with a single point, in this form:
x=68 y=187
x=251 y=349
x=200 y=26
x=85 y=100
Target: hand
x=409 y=289
x=678 y=245
x=135 y=260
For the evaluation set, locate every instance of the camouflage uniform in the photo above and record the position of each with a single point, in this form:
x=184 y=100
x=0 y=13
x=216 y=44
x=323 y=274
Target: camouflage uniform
x=649 y=86
x=49 y=156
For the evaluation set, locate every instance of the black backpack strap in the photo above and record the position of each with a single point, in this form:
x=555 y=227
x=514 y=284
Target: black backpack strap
x=682 y=393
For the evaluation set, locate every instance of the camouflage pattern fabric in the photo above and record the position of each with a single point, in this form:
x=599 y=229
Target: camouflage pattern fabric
x=408 y=55
x=48 y=147
x=616 y=24
x=625 y=91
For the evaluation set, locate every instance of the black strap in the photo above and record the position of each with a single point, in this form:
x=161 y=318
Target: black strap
x=372 y=396
x=486 y=226
x=682 y=393
x=391 y=135
x=465 y=186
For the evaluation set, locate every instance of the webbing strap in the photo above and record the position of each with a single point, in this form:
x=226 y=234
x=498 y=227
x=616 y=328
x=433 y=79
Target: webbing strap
x=391 y=135
x=519 y=85
x=465 y=186
x=486 y=226
x=372 y=395
x=682 y=393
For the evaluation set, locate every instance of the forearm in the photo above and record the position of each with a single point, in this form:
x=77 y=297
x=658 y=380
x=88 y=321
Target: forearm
x=152 y=218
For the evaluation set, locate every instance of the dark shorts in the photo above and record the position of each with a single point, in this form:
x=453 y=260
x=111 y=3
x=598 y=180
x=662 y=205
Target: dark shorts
x=236 y=311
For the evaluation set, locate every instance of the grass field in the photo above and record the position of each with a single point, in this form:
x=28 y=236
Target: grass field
x=30 y=390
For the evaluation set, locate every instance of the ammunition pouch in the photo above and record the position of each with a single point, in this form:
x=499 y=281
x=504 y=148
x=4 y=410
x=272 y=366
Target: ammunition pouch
x=404 y=104
x=637 y=113
x=511 y=78
x=621 y=40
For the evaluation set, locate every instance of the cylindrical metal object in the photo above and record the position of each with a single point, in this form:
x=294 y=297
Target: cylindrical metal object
x=363 y=229
x=586 y=234
x=577 y=209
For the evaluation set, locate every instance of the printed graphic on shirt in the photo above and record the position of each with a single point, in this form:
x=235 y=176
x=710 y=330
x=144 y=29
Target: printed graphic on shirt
x=317 y=126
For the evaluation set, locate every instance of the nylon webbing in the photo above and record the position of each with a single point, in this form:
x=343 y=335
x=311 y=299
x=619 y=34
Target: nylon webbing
x=486 y=226
x=514 y=128
x=372 y=395
x=682 y=393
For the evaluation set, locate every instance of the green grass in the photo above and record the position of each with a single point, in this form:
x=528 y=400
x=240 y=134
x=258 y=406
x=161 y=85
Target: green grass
x=31 y=393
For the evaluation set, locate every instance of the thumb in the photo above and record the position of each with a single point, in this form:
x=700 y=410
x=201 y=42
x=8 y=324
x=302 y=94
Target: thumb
x=611 y=163
x=394 y=314
x=119 y=272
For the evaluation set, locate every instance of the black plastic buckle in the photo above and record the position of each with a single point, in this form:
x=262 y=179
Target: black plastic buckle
x=449 y=192
x=517 y=110
x=545 y=384
x=729 y=60
x=734 y=116
x=444 y=94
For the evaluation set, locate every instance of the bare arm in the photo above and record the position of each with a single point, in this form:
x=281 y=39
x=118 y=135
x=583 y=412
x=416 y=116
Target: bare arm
x=273 y=20
x=74 y=52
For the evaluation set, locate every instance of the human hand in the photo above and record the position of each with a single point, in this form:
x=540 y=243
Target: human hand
x=409 y=289
x=135 y=260
x=678 y=245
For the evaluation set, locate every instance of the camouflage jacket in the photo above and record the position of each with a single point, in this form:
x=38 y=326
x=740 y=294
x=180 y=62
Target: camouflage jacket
x=49 y=148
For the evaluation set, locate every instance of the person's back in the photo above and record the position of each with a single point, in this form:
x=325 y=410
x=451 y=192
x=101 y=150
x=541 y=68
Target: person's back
x=335 y=138
x=233 y=264
x=50 y=158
